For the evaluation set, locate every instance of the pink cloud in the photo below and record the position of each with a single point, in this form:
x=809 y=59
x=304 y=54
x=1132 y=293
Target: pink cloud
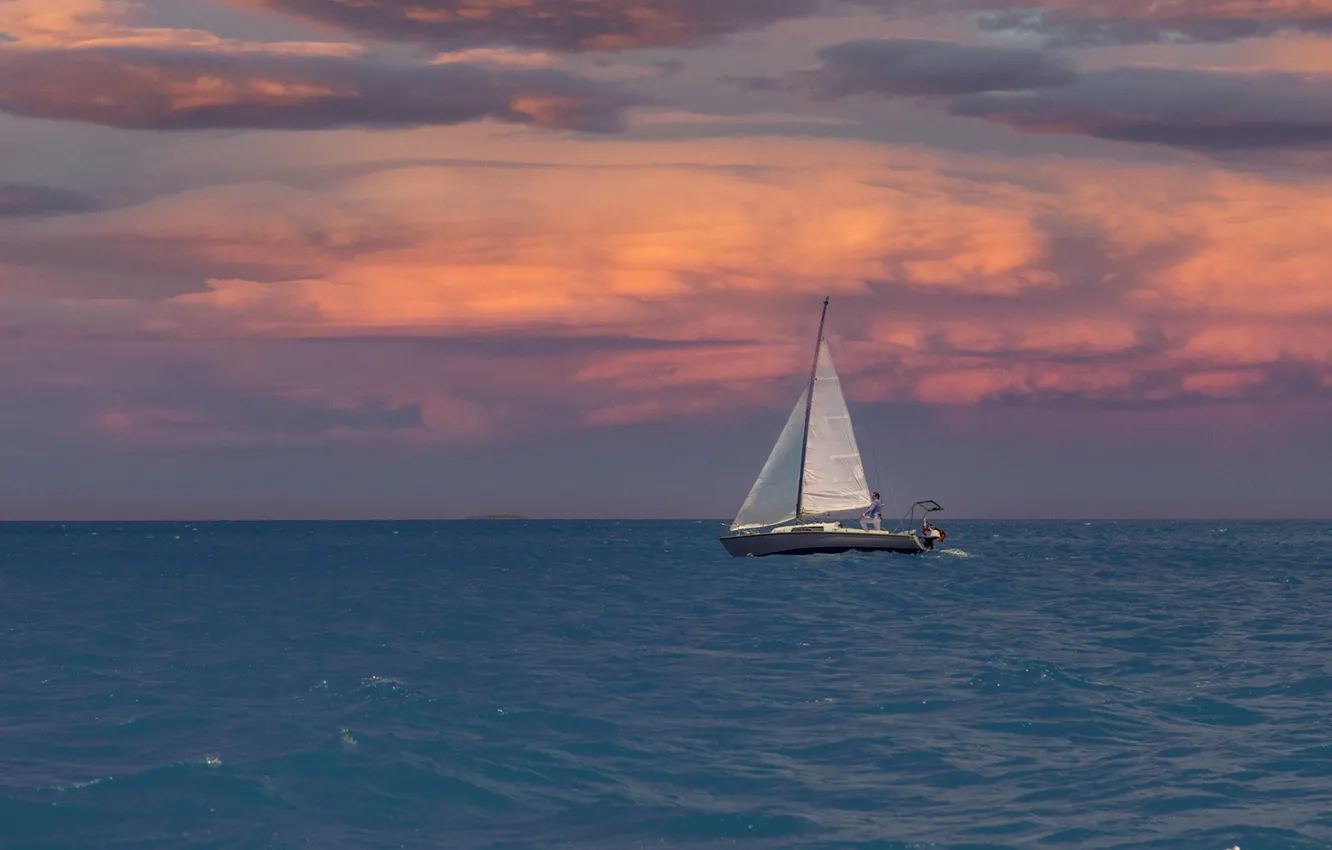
x=967 y=386
x=148 y=423
x=83 y=24
x=1225 y=384
x=687 y=285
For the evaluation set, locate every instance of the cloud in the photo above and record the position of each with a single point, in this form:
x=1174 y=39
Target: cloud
x=232 y=416
x=549 y=282
x=170 y=394
x=18 y=200
x=160 y=90
x=1209 y=110
x=632 y=227
x=622 y=229
x=77 y=24
x=591 y=25
x=1040 y=92
x=606 y=25
x=1077 y=22
x=620 y=244
x=566 y=25
x=909 y=67
x=498 y=56
x=1223 y=384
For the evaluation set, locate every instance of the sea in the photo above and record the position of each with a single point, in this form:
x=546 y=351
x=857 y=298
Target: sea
x=523 y=684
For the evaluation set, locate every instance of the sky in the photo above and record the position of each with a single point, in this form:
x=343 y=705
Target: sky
x=433 y=258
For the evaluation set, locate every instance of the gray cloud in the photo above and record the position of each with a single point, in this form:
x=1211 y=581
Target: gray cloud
x=1182 y=108
x=1067 y=23
x=911 y=67
x=162 y=90
x=573 y=25
x=1040 y=92
x=19 y=200
x=590 y=25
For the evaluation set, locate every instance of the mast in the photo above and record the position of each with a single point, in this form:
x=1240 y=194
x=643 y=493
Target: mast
x=809 y=409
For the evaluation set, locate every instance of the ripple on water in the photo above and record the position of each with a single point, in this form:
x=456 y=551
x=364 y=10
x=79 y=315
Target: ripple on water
x=607 y=686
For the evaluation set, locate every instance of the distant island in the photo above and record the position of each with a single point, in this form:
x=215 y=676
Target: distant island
x=489 y=517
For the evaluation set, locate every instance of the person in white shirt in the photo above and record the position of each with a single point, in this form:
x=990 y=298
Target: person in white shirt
x=873 y=515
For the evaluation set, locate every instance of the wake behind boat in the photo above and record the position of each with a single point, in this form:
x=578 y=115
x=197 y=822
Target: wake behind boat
x=814 y=473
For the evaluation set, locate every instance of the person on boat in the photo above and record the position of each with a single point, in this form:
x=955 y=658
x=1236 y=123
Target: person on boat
x=931 y=532
x=873 y=515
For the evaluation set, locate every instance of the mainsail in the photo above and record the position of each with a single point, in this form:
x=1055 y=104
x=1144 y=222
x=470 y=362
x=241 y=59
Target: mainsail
x=815 y=467
x=834 y=477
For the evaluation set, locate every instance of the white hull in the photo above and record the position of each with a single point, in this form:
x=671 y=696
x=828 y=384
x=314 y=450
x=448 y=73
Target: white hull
x=823 y=538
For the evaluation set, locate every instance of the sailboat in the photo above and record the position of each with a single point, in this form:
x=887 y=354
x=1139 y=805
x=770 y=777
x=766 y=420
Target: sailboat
x=813 y=473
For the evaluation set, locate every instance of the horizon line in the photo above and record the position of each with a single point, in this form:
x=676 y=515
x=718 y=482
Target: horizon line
x=721 y=520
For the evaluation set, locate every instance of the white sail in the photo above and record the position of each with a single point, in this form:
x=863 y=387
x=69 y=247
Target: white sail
x=834 y=476
x=772 y=500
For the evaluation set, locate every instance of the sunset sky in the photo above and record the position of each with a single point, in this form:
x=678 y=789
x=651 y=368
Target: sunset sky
x=429 y=258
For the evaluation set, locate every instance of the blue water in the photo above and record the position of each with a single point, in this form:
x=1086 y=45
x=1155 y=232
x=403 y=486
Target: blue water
x=627 y=685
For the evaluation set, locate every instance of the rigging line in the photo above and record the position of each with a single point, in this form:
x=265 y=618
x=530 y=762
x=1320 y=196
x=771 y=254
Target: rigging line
x=837 y=338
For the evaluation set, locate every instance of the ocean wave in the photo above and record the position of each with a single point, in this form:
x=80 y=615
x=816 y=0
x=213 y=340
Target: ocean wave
x=1113 y=685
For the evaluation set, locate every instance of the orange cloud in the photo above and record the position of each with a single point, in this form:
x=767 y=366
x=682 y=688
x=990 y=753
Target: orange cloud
x=1078 y=336
x=688 y=274
x=590 y=245
x=79 y=24
x=449 y=284
x=632 y=234
x=965 y=386
x=1262 y=344
x=1268 y=259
